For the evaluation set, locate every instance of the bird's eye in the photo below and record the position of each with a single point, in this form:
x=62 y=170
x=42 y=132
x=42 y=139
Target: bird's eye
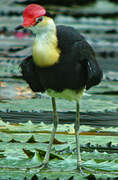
x=38 y=19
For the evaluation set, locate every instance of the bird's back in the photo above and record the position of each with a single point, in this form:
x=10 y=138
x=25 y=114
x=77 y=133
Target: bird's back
x=76 y=50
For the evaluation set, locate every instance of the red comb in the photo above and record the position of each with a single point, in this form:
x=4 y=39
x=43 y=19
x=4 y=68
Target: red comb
x=31 y=12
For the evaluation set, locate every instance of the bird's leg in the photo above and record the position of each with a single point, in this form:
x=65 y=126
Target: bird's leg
x=55 y=123
x=76 y=127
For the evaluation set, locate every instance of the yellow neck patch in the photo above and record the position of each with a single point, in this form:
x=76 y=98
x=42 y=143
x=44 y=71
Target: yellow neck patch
x=45 y=50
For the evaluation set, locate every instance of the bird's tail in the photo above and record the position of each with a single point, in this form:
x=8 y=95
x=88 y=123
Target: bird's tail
x=94 y=74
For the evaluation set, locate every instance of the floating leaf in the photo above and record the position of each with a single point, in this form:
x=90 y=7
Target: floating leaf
x=71 y=178
x=91 y=177
x=31 y=140
x=35 y=177
x=52 y=155
x=28 y=153
x=2 y=123
x=65 y=150
x=41 y=154
x=108 y=148
x=14 y=141
x=55 y=141
x=16 y=124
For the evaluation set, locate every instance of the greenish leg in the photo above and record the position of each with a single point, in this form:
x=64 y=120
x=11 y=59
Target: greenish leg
x=55 y=123
x=76 y=127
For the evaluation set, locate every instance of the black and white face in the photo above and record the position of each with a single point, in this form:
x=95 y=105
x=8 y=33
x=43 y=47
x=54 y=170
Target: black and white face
x=42 y=24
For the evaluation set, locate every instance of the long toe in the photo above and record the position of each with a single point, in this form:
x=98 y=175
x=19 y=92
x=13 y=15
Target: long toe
x=42 y=166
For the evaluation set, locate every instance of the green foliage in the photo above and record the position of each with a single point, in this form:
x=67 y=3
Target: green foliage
x=23 y=146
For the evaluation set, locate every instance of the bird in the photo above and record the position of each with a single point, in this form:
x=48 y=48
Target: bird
x=62 y=64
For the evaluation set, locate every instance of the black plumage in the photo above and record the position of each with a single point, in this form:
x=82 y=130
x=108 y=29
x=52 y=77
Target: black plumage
x=77 y=66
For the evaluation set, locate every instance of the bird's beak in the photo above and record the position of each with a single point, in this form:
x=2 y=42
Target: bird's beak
x=19 y=27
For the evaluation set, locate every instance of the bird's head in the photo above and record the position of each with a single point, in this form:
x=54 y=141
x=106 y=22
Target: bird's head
x=34 y=16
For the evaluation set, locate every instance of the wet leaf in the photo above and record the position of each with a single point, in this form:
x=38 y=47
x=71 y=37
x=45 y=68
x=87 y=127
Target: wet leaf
x=71 y=178
x=52 y=155
x=41 y=154
x=28 y=153
x=15 y=124
x=55 y=141
x=35 y=177
x=91 y=177
x=31 y=140
x=14 y=141
x=64 y=150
